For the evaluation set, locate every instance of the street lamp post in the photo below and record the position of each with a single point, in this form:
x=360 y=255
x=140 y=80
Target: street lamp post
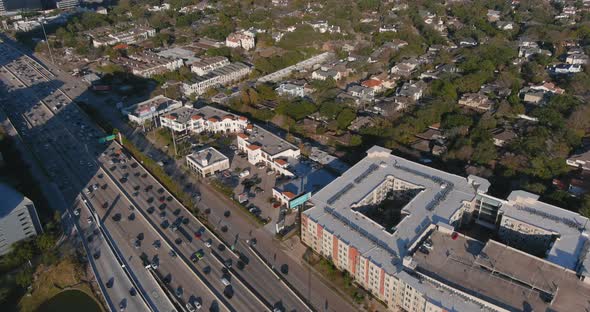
x=47 y=41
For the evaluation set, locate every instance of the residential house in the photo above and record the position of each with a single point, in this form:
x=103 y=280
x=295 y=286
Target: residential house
x=566 y=69
x=580 y=160
x=290 y=89
x=576 y=59
x=363 y=94
x=412 y=90
x=534 y=97
x=374 y=84
x=388 y=28
x=503 y=25
x=476 y=100
x=405 y=68
x=467 y=42
x=220 y=76
x=147 y=64
x=493 y=16
x=503 y=136
x=209 y=64
x=241 y=39
x=548 y=87
x=361 y=122
x=321 y=74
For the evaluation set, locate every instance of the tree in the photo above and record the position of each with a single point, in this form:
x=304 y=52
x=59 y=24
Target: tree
x=356 y=140
x=24 y=277
x=345 y=117
x=45 y=242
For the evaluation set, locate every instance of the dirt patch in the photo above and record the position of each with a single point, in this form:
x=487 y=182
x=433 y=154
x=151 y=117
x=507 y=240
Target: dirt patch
x=51 y=280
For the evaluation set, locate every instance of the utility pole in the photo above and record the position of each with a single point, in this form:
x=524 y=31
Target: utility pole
x=47 y=41
x=174 y=142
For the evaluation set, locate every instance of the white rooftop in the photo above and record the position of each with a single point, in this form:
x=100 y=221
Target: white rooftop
x=442 y=195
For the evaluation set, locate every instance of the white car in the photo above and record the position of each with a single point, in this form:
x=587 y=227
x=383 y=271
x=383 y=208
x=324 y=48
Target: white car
x=89 y=220
x=224 y=281
x=190 y=307
x=244 y=173
x=76 y=212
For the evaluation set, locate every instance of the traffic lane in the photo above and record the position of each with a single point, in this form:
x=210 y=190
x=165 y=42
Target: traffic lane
x=124 y=239
x=258 y=278
x=298 y=275
x=108 y=267
x=213 y=271
x=168 y=267
x=238 y=294
x=60 y=158
x=242 y=230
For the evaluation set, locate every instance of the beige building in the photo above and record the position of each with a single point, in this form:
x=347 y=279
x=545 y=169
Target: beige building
x=207 y=162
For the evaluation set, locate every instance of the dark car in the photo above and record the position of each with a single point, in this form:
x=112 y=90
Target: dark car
x=151 y=210
x=105 y=205
x=117 y=217
x=227 y=213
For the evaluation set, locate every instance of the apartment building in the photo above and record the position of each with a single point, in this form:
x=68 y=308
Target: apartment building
x=150 y=109
x=18 y=218
x=67 y=4
x=265 y=147
x=134 y=35
x=420 y=263
x=241 y=39
x=147 y=64
x=207 y=162
x=209 y=64
x=204 y=119
x=219 y=76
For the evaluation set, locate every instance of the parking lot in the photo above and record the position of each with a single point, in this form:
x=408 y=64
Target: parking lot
x=254 y=185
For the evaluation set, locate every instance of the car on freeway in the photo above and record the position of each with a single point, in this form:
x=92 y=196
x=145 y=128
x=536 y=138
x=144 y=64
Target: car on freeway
x=190 y=307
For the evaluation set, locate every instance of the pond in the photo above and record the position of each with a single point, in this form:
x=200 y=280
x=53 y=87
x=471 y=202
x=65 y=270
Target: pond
x=70 y=300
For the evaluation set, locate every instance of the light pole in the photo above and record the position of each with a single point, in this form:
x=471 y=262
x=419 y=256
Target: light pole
x=47 y=41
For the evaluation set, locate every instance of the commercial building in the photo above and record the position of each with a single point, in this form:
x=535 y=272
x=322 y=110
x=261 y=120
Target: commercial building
x=261 y=146
x=207 y=162
x=394 y=226
x=265 y=147
x=204 y=119
x=131 y=36
x=18 y=218
x=150 y=109
x=219 y=76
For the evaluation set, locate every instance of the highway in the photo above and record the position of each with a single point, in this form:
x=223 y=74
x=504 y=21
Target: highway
x=126 y=227
x=63 y=137
x=62 y=157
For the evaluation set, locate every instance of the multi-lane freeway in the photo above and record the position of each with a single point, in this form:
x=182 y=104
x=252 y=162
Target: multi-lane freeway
x=126 y=219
